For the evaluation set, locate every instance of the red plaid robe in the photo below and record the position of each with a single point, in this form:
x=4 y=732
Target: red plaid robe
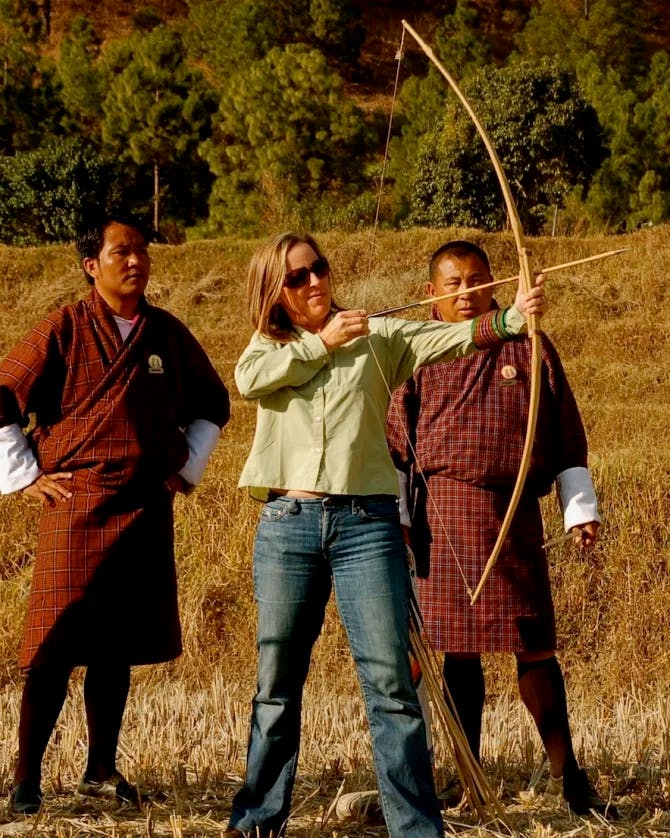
x=467 y=421
x=112 y=413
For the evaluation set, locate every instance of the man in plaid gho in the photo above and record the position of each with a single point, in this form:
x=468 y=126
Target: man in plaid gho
x=127 y=411
x=466 y=423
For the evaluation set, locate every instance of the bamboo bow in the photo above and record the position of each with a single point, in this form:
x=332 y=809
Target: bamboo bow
x=526 y=283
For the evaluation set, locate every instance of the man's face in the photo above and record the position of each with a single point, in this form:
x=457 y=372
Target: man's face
x=457 y=274
x=121 y=270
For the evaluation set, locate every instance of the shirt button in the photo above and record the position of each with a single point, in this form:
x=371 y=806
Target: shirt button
x=317 y=418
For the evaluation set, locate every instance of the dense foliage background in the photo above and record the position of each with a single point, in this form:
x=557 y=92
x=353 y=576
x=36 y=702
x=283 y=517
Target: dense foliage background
x=240 y=116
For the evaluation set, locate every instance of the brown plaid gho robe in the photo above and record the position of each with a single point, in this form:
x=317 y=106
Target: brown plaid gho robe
x=467 y=421
x=112 y=413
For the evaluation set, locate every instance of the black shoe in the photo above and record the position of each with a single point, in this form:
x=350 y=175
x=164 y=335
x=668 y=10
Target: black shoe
x=26 y=799
x=582 y=798
x=451 y=795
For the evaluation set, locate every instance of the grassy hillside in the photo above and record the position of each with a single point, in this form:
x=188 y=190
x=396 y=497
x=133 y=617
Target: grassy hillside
x=612 y=329
x=611 y=324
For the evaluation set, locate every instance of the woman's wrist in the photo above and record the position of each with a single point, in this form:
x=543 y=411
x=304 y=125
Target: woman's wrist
x=513 y=322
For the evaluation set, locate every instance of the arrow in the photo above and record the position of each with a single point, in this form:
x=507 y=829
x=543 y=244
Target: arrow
x=476 y=288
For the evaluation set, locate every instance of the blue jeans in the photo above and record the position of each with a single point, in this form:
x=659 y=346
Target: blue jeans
x=301 y=545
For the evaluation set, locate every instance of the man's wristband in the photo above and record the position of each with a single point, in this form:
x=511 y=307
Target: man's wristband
x=490 y=328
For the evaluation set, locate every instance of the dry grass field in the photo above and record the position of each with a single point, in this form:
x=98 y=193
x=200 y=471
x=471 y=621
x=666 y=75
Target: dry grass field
x=185 y=732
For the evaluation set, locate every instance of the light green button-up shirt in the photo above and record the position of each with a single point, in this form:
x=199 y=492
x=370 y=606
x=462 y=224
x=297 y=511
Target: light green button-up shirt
x=322 y=416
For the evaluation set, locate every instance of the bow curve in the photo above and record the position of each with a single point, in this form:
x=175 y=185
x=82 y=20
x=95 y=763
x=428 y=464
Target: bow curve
x=526 y=283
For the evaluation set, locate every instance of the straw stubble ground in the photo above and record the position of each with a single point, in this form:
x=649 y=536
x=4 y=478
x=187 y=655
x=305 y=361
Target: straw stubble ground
x=185 y=734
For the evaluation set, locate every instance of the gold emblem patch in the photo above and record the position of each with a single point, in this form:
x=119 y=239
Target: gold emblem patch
x=508 y=372
x=155 y=364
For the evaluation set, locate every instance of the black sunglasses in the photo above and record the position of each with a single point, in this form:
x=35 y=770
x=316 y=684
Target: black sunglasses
x=300 y=276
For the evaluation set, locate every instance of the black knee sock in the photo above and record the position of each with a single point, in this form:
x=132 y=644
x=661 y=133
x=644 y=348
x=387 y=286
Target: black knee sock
x=42 y=700
x=465 y=679
x=106 y=689
x=542 y=690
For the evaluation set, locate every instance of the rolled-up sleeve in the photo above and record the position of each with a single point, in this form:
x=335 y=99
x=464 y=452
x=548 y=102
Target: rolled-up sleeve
x=578 y=497
x=18 y=466
x=201 y=437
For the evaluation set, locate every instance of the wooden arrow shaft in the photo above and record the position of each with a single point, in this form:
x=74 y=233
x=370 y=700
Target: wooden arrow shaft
x=507 y=279
x=451 y=294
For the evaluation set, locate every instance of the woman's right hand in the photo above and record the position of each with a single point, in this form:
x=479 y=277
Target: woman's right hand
x=48 y=489
x=343 y=327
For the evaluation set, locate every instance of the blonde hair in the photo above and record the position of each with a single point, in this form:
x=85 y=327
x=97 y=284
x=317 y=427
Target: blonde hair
x=265 y=280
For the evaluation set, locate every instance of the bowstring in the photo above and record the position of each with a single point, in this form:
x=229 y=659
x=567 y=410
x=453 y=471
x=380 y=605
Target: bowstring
x=380 y=192
x=417 y=468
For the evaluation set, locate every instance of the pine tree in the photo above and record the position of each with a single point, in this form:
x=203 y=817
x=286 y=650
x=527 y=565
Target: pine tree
x=81 y=77
x=633 y=185
x=284 y=133
x=29 y=107
x=226 y=36
x=157 y=109
x=627 y=88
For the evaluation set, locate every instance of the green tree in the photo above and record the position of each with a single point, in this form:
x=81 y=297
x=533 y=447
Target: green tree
x=463 y=42
x=337 y=30
x=158 y=109
x=463 y=39
x=650 y=202
x=81 y=77
x=45 y=193
x=29 y=107
x=421 y=105
x=611 y=47
x=566 y=30
x=228 y=35
x=544 y=132
x=632 y=186
x=283 y=135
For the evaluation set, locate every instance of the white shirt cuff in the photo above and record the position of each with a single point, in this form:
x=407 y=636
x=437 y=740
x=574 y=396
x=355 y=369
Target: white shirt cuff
x=405 y=519
x=578 y=497
x=18 y=466
x=201 y=436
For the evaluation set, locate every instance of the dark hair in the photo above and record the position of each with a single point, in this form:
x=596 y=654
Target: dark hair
x=91 y=234
x=458 y=249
